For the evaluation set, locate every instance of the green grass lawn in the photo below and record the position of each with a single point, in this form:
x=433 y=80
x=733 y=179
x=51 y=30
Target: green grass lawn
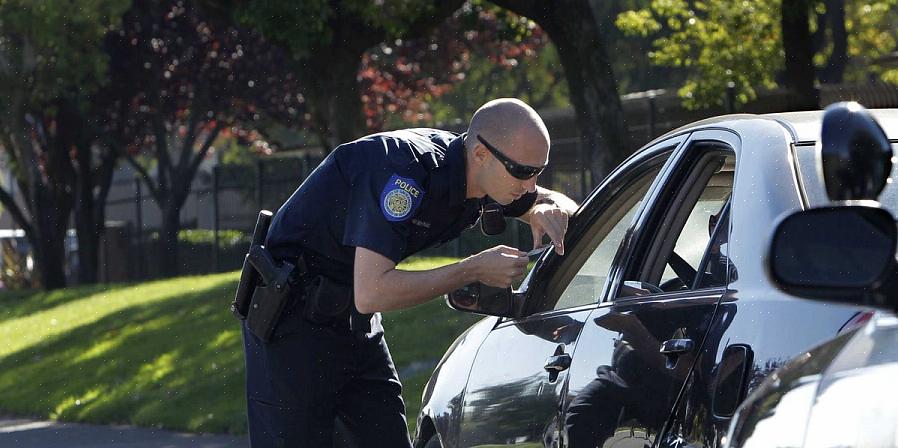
x=166 y=353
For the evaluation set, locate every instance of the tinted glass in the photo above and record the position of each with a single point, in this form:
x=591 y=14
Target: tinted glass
x=682 y=224
x=813 y=184
x=593 y=255
x=693 y=240
x=715 y=266
x=589 y=281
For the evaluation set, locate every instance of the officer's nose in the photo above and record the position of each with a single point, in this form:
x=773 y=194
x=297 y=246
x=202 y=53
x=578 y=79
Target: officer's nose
x=530 y=184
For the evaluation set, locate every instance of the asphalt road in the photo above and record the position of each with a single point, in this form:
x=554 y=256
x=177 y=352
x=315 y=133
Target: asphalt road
x=24 y=433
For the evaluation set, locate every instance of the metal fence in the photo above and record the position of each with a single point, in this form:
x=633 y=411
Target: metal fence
x=225 y=199
x=218 y=218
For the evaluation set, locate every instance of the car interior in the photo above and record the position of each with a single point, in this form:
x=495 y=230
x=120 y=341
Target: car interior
x=687 y=251
x=583 y=272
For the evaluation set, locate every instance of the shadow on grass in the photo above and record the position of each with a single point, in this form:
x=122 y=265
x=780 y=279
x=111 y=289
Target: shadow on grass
x=176 y=364
x=15 y=304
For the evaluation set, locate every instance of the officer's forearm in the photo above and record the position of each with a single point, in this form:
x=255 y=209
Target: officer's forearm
x=379 y=286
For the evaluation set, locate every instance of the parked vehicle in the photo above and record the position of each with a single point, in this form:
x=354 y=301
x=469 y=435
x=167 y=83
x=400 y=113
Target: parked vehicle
x=843 y=392
x=660 y=317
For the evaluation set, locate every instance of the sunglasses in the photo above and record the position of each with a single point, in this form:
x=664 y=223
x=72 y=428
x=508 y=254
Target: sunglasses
x=517 y=170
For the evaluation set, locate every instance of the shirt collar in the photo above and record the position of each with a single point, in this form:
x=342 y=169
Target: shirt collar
x=455 y=158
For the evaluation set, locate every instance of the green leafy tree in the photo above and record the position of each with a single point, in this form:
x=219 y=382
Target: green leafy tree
x=762 y=44
x=50 y=64
x=717 y=41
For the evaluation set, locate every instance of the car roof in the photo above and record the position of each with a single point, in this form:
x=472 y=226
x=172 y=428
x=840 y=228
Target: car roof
x=804 y=126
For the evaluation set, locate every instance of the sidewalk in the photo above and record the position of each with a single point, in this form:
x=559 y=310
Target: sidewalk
x=25 y=433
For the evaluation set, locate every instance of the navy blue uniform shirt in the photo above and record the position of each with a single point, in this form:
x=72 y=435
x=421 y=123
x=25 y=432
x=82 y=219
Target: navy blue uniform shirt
x=394 y=193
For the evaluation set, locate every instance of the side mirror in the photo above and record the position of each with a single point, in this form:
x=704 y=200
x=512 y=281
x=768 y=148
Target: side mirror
x=482 y=299
x=855 y=155
x=842 y=254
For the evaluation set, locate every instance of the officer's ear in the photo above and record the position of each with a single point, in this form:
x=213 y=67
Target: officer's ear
x=480 y=154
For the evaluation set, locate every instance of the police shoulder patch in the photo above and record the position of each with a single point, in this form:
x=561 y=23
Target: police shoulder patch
x=400 y=198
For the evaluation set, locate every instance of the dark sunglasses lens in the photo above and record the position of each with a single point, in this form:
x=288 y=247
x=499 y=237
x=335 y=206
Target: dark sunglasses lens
x=524 y=172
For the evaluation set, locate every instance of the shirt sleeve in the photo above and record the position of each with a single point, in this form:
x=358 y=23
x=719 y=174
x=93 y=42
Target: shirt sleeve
x=381 y=205
x=520 y=206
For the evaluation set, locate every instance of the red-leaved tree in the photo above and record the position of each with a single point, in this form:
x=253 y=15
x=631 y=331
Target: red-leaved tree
x=179 y=80
x=402 y=77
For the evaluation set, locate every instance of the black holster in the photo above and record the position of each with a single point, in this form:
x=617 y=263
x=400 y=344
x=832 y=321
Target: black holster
x=249 y=278
x=268 y=304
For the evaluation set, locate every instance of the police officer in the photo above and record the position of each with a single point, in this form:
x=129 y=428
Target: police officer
x=370 y=204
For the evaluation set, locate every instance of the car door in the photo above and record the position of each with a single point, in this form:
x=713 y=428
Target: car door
x=519 y=375
x=635 y=350
x=757 y=328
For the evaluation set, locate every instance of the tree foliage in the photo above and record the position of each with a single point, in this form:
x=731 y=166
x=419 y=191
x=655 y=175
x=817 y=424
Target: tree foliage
x=50 y=64
x=717 y=41
x=479 y=53
x=179 y=81
x=721 y=42
x=327 y=41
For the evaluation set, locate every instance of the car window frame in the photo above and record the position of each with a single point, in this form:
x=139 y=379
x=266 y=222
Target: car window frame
x=613 y=184
x=625 y=259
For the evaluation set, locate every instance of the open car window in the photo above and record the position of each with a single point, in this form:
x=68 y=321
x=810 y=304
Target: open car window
x=684 y=242
x=584 y=272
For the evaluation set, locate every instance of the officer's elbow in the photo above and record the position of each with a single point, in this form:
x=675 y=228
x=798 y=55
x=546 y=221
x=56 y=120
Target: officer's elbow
x=364 y=300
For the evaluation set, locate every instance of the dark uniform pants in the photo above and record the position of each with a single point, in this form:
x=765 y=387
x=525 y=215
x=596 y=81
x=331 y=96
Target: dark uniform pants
x=308 y=376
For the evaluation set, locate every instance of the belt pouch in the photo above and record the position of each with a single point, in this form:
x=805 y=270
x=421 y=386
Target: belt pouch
x=267 y=305
x=326 y=300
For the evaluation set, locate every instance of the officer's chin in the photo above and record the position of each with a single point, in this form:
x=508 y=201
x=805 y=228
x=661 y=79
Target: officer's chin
x=505 y=201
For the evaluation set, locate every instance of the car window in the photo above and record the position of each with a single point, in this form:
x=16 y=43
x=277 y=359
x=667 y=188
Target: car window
x=714 y=269
x=593 y=255
x=814 y=187
x=677 y=250
x=693 y=240
x=589 y=281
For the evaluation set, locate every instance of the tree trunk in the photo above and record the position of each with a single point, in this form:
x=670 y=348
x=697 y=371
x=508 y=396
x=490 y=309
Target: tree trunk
x=86 y=227
x=88 y=235
x=799 y=52
x=171 y=224
x=50 y=253
x=591 y=81
x=332 y=71
x=835 y=66
x=336 y=99
x=46 y=184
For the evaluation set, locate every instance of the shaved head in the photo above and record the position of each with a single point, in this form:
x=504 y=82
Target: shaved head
x=512 y=126
x=515 y=131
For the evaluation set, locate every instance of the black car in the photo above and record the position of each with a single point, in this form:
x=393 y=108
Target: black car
x=660 y=317
x=842 y=393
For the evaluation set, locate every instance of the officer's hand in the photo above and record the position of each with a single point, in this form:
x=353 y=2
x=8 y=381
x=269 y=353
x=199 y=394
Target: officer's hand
x=500 y=266
x=547 y=219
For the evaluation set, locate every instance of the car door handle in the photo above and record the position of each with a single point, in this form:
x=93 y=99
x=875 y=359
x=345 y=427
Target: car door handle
x=558 y=363
x=676 y=346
